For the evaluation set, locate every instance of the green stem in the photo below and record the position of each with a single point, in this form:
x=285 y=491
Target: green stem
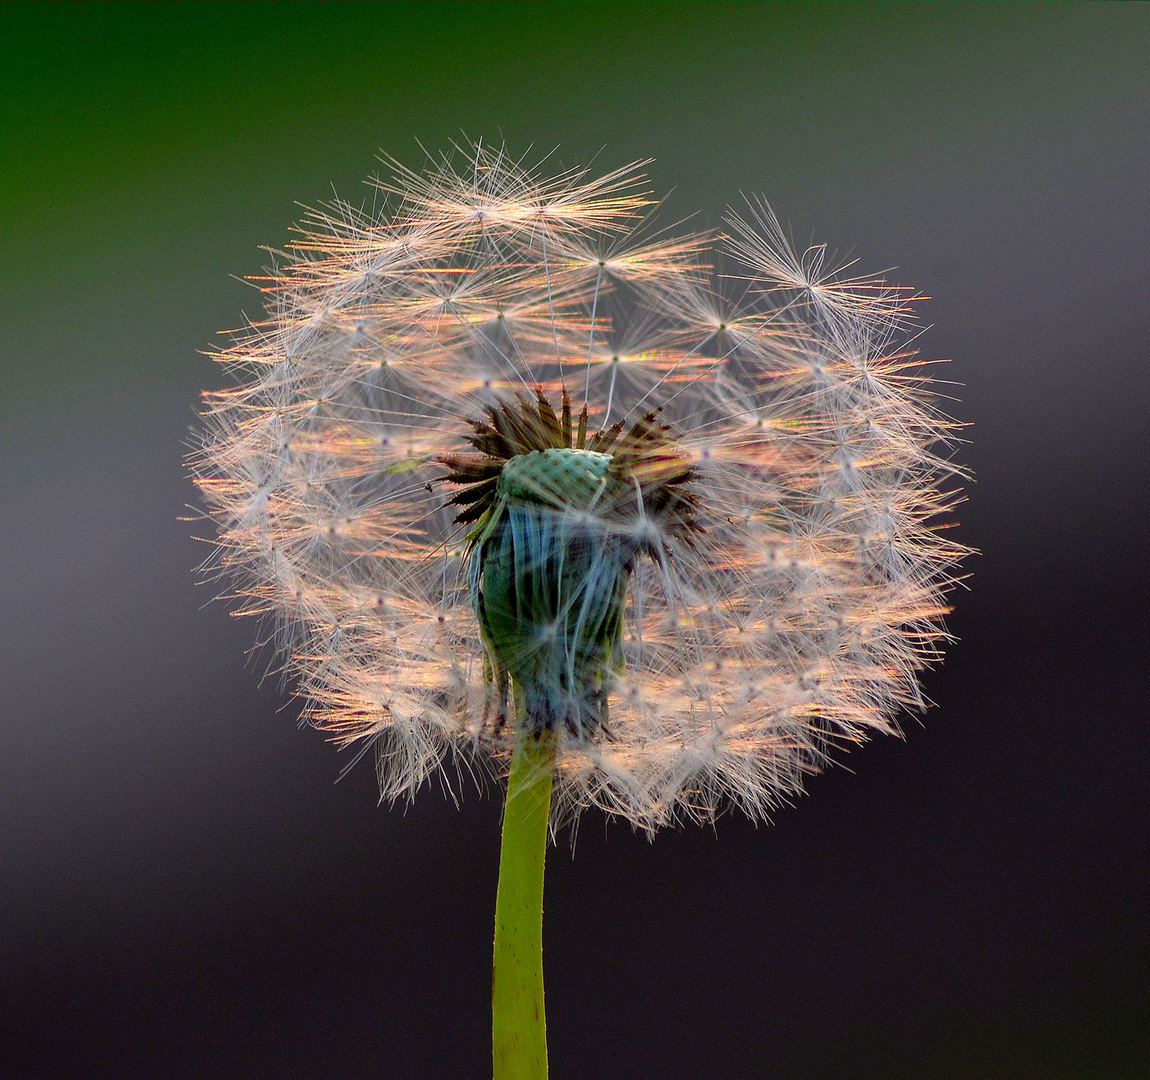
x=518 y=1022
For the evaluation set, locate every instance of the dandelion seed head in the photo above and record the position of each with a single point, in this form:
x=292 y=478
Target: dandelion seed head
x=504 y=434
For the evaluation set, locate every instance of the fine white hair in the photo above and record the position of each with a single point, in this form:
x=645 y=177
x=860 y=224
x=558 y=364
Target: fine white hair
x=812 y=591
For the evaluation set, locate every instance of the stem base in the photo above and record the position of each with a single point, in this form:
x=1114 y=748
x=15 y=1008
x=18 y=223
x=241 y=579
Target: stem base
x=518 y=1021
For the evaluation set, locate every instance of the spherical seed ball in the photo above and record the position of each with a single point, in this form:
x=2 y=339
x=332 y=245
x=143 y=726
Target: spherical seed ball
x=747 y=472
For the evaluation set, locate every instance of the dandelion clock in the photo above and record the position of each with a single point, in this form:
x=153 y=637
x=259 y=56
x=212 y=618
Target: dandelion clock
x=520 y=482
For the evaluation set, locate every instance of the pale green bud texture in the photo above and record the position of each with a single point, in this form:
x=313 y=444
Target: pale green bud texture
x=550 y=583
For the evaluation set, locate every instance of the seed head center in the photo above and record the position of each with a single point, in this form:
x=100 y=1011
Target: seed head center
x=559 y=478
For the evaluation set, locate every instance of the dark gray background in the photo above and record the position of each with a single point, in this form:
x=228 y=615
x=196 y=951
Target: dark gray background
x=183 y=890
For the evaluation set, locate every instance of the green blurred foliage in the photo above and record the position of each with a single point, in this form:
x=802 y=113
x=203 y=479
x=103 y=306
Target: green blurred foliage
x=150 y=148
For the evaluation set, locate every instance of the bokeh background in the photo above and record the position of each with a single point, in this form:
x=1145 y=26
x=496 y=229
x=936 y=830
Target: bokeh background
x=185 y=891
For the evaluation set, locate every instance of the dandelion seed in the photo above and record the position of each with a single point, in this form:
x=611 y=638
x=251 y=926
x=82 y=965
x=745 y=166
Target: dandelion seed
x=515 y=475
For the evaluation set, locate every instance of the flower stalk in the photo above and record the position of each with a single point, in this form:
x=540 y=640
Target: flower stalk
x=518 y=1021
x=558 y=527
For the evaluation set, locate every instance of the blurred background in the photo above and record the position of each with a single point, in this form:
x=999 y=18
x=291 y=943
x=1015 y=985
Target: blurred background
x=184 y=889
